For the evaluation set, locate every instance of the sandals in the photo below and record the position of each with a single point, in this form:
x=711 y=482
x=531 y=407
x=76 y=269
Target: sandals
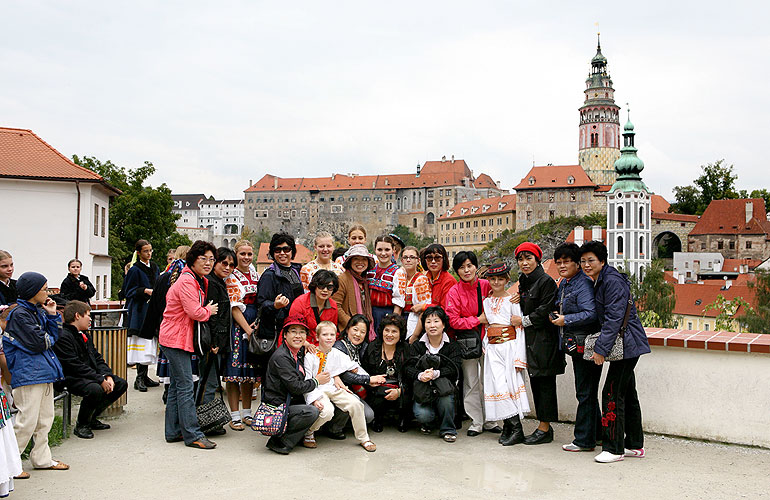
x=449 y=438
x=309 y=441
x=369 y=446
x=56 y=466
x=248 y=421
x=236 y=425
x=23 y=475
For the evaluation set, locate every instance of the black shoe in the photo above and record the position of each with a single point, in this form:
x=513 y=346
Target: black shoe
x=216 y=432
x=277 y=446
x=83 y=431
x=403 y=425
x=472 y=433
x=494 y=430
x=203 y=444
x=515 y=432
x=139 y=385
x=377 y=426
x=165 y=393
x=97 y=425
x=540 y=437
x=148 y=382
x=507 y=430
x=338 y=436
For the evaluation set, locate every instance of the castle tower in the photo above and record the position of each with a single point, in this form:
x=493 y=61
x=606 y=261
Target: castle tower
x=599 y=123
x=628 y=212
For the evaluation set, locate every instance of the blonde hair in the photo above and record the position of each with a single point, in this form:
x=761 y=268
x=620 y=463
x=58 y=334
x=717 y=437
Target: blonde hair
x=243 y=243
x=325 y=324
x=322 y=234
x=181 y=252
x=356 y=227
x=4 y=255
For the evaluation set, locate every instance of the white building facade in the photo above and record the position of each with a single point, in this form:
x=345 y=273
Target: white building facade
x=224 y=218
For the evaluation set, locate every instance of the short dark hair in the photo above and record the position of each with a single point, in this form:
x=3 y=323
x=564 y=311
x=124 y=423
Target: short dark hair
x=338 y=252
x=392 y=319
x=280 y=238
x=385 y=239
x=524 y=253
x=435 y=248
x=74 y=307
x=223 y=253
x=73 y=260
x=197 y=249
x=324 y=277
x=354 y=320
x=567 y=251
x=139 y=244
x=435 y=311
x=461 y=257
x=595 y=247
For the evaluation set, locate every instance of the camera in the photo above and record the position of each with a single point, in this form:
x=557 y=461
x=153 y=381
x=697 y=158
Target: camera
x=570 y=345
x=553 y=315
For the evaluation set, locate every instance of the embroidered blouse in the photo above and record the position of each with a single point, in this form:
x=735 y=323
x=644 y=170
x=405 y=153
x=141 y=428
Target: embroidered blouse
x=411 y=292
x=381 y=284
x=242 y=288
x=308 y=271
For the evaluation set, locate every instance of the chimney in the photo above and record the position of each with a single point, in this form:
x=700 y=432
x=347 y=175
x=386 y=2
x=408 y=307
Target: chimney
x=717 y=266
x=333 y=174
x=453 y=158
x=579 y=235
x=749 y=211
x=251 y=182
x=596 y=233
x=418 y=170
x=680 y=280
x=275 y=183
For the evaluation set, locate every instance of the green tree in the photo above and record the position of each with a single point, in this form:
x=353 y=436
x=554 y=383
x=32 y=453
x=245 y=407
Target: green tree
x=687 y=200
x=757 y=193
x=717 y=182
x=654 y=297
x=141 y=212
x=256 y=237
x=758 y=319
x=726 y=310
x=411 y=239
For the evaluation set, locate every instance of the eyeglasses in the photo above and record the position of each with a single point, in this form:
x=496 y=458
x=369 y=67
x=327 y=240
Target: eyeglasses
x=409 y=257
x=295 y=333
x=226 y=264
x=588 y=261
x=328 y=286
x=282 y=250
x=434 y=258
x=203 y=259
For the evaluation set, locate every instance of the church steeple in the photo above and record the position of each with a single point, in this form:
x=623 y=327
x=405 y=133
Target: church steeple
x=599 y=123
x=629 y=166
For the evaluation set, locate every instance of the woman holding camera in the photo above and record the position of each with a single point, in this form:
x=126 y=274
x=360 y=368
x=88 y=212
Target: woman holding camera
x=576 y=319
x=434 y=367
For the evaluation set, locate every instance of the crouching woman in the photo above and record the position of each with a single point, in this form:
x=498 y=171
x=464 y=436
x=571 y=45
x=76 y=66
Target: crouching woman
x=433 y=366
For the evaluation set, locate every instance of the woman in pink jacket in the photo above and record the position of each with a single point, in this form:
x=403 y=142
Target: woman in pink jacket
x=185 y=305
x=466 y=315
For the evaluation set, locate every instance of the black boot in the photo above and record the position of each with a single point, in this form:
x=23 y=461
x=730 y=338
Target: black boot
x=139 y=384
x=517 y=433
x=507 y=430
x=83 y=431
x=141 y=372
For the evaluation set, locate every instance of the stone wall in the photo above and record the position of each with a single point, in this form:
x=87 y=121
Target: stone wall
x=732 y=246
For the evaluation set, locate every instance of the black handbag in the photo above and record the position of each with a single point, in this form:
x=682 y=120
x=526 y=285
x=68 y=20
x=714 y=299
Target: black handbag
x=214 y=414
x=428 y=392
x=470 y=340
x=201 y=332
x=259 y=346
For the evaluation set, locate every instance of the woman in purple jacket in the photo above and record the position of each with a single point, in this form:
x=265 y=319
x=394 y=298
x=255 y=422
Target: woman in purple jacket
x=621 y=413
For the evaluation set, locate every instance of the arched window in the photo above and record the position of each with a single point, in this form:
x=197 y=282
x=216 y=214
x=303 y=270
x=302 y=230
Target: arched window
x=620 y=246
x=594 y=140
x=641 y=246
x=620 y=217
x=431 y=218
x=641 y=217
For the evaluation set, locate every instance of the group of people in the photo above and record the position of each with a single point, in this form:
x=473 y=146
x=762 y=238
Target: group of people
x=46 y=347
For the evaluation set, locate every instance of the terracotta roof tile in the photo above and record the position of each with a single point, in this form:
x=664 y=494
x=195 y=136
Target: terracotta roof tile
x=482 y=206
x=658 y=203
x=729 y=217
x=675 y=217
x=555 y=176
x=733 y=265
x=304 y=255
x=692 y=298
x=24 y=154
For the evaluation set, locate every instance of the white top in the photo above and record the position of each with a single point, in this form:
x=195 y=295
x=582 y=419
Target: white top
x=337 y=362
x=499 y=310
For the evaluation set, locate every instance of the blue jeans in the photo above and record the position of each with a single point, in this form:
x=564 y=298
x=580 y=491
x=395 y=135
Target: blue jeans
x=180 y=404
x=212 y=382
x=588 y=416
x=441 y=411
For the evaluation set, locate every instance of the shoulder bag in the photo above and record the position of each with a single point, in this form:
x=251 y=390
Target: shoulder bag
x=470 y=340
x=272 y=420
x=259 y=346
x=616 y=352
x=214 y=414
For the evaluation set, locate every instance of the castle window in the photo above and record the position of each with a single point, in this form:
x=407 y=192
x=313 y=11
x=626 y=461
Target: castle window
x=551 y=214
x=620 y=217
x=431 y=218
x=732 y=245
x=620 y=246
x=573 y=196
x=529 y=197
x=720 y=245
x=748 y=245
x=551 y=197
x=531 y=181
x=594 y=140
x=570 y=180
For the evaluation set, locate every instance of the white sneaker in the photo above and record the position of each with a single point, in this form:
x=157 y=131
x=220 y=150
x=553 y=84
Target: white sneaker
x=574 y=447
x=606 y=457
x=634 y=453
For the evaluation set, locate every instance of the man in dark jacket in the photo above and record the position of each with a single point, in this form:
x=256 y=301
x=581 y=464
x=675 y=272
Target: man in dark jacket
x=545 y=359
x=85 y=372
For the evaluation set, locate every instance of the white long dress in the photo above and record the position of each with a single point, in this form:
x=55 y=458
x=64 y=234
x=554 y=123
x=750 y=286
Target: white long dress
x=505 y=394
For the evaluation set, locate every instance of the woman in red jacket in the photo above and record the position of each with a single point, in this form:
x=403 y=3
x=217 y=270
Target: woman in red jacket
x=316 y=305
x=435 y=259
x=185 y=305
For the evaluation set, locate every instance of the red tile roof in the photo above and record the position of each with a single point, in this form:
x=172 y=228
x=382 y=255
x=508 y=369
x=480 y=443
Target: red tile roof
x=729 y=217
x=555 y=176
x=483 y=206
x=692 y=298
x=733 y=265
x=25 y=155
x=603 y=188
x=658 y=203
x=675 y=217
x=304 y=255
x=433 y=173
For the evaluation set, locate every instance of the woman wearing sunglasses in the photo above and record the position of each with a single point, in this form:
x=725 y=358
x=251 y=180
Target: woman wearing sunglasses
x=436 y=263
x=317 y=305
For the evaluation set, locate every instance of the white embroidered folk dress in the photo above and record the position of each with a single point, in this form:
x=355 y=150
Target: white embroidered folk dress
x=505 y=394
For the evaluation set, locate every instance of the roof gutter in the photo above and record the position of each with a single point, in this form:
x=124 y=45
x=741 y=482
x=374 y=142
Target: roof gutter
x=77 y=223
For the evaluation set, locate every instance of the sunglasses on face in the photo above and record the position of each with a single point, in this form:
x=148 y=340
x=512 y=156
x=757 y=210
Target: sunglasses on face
x=328 y=286
x=282 y=250
x=434 y=258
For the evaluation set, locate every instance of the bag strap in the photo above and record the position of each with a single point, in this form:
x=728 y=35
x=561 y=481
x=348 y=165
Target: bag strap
x=625 y=318
x=478 y=296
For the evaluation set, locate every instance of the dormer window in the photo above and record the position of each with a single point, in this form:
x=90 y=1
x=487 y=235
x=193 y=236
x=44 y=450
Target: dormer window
x=501 y=205
x=474 y=210
x=570 y=180
x=531 y=181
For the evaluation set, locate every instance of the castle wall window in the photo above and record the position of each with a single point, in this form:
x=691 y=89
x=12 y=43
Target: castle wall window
x=431 y=218
x=551 y=197
x=748 y=243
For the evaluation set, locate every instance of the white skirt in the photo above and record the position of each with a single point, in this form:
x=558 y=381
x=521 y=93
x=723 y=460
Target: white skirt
x=142 y=351
x=10 y=462
x=505 y=394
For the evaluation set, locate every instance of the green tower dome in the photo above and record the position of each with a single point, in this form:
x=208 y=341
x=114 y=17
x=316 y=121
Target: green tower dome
x=629 y=166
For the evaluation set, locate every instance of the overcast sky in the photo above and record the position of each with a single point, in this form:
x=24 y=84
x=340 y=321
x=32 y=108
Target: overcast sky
x=218 y=93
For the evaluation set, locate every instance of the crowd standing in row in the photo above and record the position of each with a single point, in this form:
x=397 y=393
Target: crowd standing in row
x=362 y=338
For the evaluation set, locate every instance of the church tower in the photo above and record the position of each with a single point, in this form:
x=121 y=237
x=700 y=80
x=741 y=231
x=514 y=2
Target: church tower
x=599 y=123
x=628 y=212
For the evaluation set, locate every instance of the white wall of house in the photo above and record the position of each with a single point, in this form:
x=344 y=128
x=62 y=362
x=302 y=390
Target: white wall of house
x=40 y=225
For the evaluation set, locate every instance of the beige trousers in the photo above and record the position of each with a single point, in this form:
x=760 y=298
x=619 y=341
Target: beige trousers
x=350 y=404
x=35 y=418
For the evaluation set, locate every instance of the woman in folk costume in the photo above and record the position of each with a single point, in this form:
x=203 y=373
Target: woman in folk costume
x=10 y=461
x=324 y=247
x=356 y=236
x=239 y=373
x=138 y=286
x=411 y=295
x=381 y=280
x=505 y=395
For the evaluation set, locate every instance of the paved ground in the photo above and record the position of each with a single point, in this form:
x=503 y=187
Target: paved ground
x=133 y=461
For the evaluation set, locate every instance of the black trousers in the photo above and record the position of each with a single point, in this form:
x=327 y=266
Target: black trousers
x=300 y=417
x=621 y=412
x=95 y=400
x=544 y=394
x=589 y=414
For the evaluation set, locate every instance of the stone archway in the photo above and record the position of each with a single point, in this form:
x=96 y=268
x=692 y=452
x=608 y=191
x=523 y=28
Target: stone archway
x=665 y=244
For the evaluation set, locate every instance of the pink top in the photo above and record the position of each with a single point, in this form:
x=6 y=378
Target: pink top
x=183 y=307
x=462 y=304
